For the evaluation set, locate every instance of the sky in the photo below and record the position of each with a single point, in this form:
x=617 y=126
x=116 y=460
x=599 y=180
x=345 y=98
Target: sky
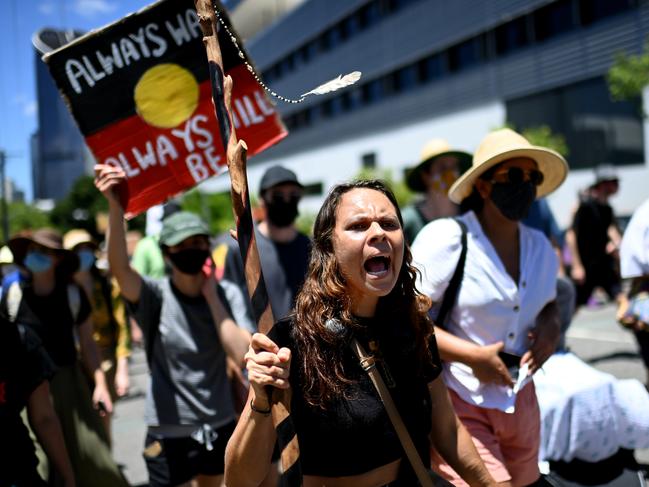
x=19 y=20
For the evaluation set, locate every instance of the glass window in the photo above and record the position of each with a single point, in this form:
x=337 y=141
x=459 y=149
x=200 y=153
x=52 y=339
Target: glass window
x=288 y=63
x=333 y=36
x=390 y=85
x=465 y=54
x=406 y=78
x=597 y=130
x=593 y=10
x=345 y=101
x=301 y=56
x=336 y=106
x=312 y=49
x=315 y=113
x=267 y=76
x=303 y=118
x=314 y=189
x=326 y=109
x=399 y=4
x=368 y=161
x=369 y=14
x=372 y=91
x=355 y=97
x=554 y=19
x=289 y=121
x=351 y=26
x=278 y=70
x=431 y=68
x=512 y=35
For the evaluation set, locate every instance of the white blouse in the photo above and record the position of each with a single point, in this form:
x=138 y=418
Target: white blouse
x=634 y=251
x=491 y=307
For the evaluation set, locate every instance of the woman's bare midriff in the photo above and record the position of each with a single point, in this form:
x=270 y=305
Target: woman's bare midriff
x=378 y=477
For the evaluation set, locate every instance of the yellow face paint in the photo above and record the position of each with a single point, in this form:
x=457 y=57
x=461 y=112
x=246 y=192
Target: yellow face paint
x=166 y=95
x=443 y=181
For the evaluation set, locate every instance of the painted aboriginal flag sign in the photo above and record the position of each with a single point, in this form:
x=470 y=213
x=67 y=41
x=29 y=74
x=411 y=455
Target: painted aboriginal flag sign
x=139 y=90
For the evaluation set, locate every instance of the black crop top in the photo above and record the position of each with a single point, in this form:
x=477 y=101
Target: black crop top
x=353 y=436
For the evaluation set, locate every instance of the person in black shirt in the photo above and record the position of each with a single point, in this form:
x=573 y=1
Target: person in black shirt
x=283 y=250
x=594 y=239
x=23 y=383
x=360 y=285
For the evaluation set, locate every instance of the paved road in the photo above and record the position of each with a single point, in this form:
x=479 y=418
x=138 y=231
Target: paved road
x=594 y=336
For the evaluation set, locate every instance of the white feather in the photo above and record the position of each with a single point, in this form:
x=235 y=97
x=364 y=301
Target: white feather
x=335 y=84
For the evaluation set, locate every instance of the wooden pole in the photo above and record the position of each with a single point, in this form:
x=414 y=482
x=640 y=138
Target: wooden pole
x=236 y=159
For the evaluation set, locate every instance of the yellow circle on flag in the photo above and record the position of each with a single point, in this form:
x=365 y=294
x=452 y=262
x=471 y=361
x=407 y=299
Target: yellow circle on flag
x=166 y=95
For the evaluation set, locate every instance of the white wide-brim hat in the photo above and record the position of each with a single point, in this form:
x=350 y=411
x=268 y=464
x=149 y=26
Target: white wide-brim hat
x=502 y=145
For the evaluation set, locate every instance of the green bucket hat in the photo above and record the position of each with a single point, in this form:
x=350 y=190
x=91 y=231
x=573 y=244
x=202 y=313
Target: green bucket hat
x=180 y=226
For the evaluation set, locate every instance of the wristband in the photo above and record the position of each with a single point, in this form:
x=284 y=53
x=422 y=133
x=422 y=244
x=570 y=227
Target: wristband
x=263 y=412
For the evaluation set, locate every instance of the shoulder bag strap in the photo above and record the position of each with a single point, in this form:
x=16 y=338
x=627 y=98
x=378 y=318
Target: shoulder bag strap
x=369 y=365
x=450 y=296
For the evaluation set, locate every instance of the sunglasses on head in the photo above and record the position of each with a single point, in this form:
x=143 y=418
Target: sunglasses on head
x=518 y=175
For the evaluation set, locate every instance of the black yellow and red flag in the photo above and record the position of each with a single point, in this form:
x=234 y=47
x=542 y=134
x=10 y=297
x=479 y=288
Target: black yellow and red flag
x=139 y=90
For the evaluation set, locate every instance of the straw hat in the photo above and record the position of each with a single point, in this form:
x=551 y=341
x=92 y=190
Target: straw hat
x=76 y=237
x=433 y=149
x=504 y=144
x=48 y=238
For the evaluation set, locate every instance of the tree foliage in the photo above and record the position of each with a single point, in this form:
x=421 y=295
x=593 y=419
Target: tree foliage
x=215 y=209
x=628 y=75
x=401 y=191
x=542 y=136
x=80 y=207
x=26 y=217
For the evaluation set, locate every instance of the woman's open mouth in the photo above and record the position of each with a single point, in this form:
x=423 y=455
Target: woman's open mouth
x=377 y=266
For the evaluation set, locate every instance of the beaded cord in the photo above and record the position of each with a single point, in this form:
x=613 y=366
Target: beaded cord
x=233 y=38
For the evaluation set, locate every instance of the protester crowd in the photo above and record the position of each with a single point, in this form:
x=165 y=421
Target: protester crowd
x=446 y=311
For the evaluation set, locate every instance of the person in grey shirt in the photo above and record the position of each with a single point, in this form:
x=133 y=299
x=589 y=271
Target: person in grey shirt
x=189 y=333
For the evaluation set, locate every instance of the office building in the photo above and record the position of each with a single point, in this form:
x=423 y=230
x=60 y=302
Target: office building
x=59 y=153
x=454 y=70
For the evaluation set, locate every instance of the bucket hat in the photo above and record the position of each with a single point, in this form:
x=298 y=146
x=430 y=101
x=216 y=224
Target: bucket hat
x=48 y=238
x=432 y=150
x=504 y=144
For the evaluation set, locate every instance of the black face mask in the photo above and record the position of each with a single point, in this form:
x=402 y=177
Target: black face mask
x=282 y=213
x=513 y=199
x=189 y=261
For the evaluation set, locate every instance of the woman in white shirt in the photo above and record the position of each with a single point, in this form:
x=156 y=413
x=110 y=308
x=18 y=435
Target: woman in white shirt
x=633 y=310
x=504 y=322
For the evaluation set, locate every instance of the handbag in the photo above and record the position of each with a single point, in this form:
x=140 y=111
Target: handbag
x=426 y=477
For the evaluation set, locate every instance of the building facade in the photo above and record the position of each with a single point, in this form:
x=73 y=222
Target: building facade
x=59 y=153
x=454 y=70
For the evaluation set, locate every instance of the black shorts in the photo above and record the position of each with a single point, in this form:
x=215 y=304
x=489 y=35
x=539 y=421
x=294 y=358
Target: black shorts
x=173 y=461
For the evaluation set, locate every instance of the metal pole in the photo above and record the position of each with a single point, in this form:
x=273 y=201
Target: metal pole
x=3 y=195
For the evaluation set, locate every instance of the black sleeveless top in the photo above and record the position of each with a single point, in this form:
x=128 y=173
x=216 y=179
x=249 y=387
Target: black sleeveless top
x=353 y=436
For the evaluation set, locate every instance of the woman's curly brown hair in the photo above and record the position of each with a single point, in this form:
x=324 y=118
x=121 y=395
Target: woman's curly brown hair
x=324 y=296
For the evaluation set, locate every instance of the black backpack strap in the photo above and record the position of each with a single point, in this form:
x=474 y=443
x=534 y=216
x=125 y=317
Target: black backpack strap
x=450 y=296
